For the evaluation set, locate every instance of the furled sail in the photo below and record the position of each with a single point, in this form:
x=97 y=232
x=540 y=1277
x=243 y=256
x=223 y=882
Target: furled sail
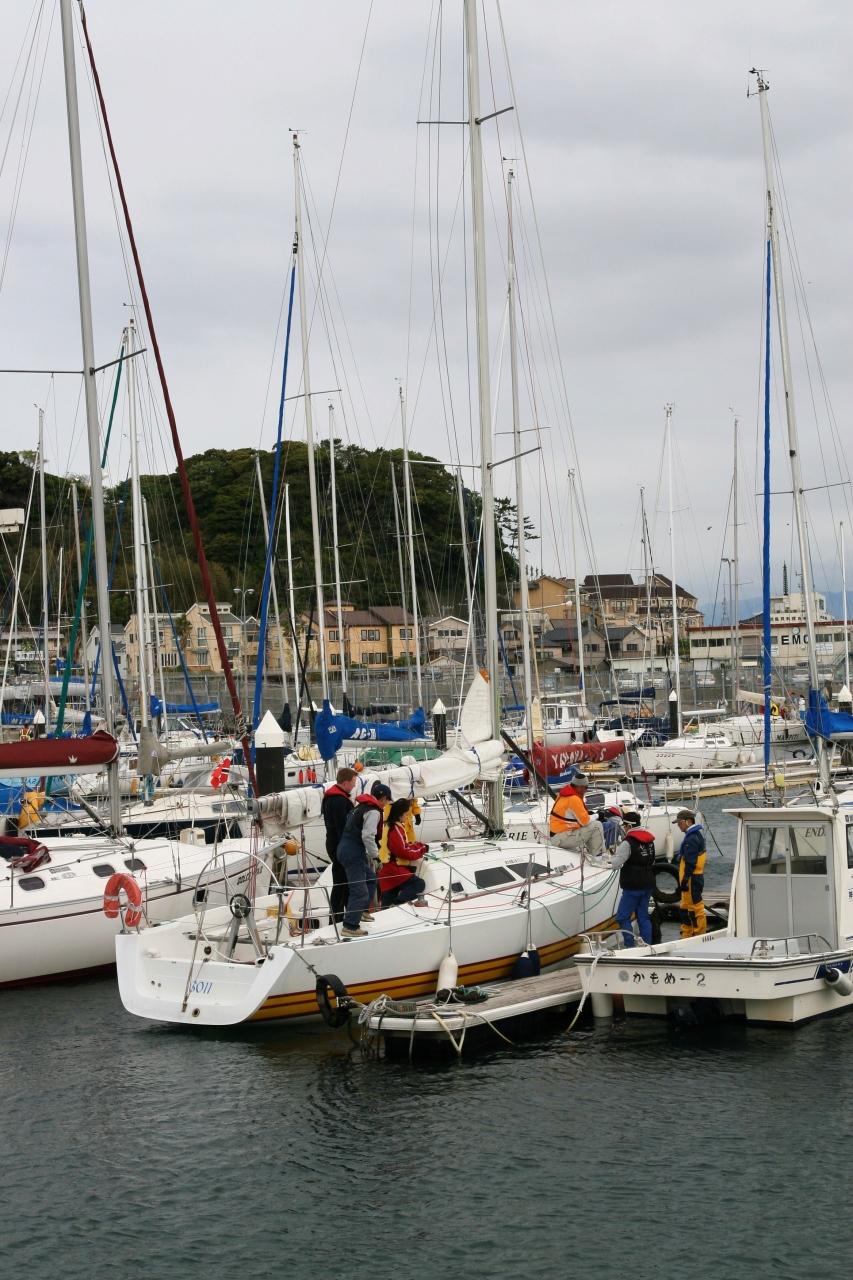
x=834 y=726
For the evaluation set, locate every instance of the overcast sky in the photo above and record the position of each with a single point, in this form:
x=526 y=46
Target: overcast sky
x=644 y=163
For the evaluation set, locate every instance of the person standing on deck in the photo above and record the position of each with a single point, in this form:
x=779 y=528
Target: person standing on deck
x=691 y=874
x=336 y=808
x=570 y=825
x=358 y=853
x=635 y=859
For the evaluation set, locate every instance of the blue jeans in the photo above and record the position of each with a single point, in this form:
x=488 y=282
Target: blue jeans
x=634 y=902
x=361 y=879
x=405 y=892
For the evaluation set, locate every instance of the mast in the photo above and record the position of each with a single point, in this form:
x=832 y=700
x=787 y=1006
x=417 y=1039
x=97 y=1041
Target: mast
x=45 y=619
x=154 y=650
x=309 y=423
x=84 y=639
x=844 y=607
x=399 y=535
x=410 y=539
x=495 y=790
x=675 y=653
x=790 y=412
x=338 y=606
x=469 y=590
x=293 y=639
x=93 y=432
x=647 y=581
x=139 y=566
x=523 y=597
x=736 y=570
x=267 y=536
x=578 y=621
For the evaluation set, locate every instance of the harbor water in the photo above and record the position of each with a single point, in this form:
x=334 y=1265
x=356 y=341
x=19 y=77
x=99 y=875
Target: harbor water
x=142 y=1151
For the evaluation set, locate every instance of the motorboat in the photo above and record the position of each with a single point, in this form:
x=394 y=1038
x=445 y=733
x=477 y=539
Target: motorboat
x=787 y=953
x=694 y=753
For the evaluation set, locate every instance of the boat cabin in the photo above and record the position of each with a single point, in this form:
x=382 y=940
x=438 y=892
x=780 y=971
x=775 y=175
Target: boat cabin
x=793 y=878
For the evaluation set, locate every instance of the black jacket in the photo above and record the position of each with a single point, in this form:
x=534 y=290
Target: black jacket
x=336 y=808
x=639 y=871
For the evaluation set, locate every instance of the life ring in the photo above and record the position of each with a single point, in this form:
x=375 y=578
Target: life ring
x=337 y=1014
x=666 y=896
x=112 y=903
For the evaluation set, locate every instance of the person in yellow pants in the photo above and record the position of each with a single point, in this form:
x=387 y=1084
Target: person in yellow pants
x=691 y=874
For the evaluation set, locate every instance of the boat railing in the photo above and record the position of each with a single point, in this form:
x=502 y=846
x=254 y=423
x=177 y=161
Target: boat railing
x=802 y=944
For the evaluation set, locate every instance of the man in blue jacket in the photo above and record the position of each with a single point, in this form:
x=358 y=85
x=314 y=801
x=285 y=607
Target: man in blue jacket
x=691 y=874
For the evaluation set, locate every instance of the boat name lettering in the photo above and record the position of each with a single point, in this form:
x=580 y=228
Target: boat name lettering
x=669 y=979
x=201 y=988
x=516 y=835
x=814 y=831
x=700 y=979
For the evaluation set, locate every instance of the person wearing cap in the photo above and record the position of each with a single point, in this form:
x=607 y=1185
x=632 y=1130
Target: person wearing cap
x=635 y=860
x=691 y=874
x=570 y=824
x=358 y=852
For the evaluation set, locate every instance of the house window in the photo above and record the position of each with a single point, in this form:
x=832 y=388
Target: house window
x=333 y=635
x=201 y=635
x=369 y=633
x=169 y=658
x=406 y=633
x=202 y=657
x=335 y=659
x=376 y=659
x=632 y=648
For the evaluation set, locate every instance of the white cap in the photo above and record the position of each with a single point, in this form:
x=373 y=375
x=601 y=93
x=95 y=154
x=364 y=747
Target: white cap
x=439 y=709
x=269 y=732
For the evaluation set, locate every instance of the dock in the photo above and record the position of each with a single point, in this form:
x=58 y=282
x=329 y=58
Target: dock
x=524 y=1006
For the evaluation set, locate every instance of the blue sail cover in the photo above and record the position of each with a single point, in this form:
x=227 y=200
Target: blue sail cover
x=182 y=708
x=835 y=726
x=333 y=729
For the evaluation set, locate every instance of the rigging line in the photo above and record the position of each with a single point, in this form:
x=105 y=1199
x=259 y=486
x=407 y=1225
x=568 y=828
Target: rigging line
x=24 y=78
x=341 y=161
x=415 y=203
x=39 y=4
x=184 y=478
x=26 y=141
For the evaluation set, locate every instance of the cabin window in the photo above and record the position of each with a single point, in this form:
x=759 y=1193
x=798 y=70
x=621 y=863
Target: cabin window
x=808 y=850
x=31 y=882
x=103 y=869
x=850 y=846
x=594 y=800
x=490 y=877
x=134 y=864
x=766 y=850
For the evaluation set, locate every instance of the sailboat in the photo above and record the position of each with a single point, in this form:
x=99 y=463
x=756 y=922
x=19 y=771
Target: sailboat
x=485 y=904
x=62 y=900
x=786 y=955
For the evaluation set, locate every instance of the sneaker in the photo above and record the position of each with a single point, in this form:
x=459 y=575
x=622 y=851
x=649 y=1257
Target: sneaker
x=368 y=916
x=353 y=933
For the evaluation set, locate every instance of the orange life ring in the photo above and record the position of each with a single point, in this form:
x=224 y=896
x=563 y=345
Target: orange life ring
x=112 y=904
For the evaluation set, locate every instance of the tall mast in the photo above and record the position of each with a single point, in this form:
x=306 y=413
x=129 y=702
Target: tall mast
x=45 y=619
x=309 y=424
x=647 y=581
x=523 y=597
x=736 y=570
x=469 y=590
x=675 y=653
x=139 y=567
x=573 y=499
x=410 y=539
x=93 y=432
x=844 y=607
x=790 y=412
x=154 y=649
x=292 y=596
x=484 y=390
x=338 y=606
x=84 y=639
x=403 y=599
x=274 y=592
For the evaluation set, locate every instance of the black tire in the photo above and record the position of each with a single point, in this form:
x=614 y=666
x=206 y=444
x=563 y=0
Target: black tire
x=666 y=896
x=336 y=1015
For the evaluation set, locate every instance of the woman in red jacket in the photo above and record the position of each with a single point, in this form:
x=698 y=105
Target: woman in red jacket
x=397 y=880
